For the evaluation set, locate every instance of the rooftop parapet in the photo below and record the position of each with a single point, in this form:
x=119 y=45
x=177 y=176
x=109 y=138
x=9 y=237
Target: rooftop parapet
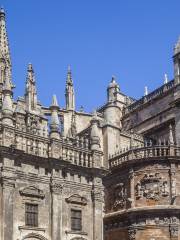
x=147 y=98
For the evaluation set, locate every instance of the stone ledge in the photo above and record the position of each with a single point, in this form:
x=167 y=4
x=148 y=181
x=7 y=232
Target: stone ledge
x=139 y=209
x=31 y=228
x=76 y=232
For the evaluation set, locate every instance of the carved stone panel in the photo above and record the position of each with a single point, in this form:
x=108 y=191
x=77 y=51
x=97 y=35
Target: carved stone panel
x=77 y=199
x=120 y=196
x=32 y=191
x=152 y=186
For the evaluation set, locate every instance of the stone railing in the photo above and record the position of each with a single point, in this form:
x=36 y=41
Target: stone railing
x=144 y=153
x=158 y=92
x=74 y=150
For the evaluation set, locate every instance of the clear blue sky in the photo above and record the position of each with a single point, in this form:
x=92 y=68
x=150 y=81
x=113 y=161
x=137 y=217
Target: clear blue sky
x=132 y=40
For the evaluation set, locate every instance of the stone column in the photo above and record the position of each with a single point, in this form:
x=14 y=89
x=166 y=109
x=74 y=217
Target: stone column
x=177 y=121
x=132 y=188
x=8 y=186
x=173 y=229
x=132 y=233
x=56 y=228
x=97 y=198
x=173 y=183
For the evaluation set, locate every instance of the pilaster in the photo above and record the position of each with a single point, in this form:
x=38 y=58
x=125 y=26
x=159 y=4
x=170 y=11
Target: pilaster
x=98 y=201
x=56 y=193
x=8 y=186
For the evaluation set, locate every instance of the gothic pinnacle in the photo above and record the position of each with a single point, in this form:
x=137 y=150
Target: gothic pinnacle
x=55 y=123
x=4 y=45
x=69 y=91
x=30 y=91
x=69 y=76
x=54 y=101
x=7 y=104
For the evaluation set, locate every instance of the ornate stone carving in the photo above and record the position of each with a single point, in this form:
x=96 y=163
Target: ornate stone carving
x=8 y=137
x=77 y=199
x=173 y=230
x=97 y=195
x=32 y=191
x=56 y=188
x=152 y=186
x=120 y=196
x=132 y=234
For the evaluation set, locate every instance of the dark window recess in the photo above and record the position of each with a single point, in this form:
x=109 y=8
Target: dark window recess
x=31 y=215
x=76 y=220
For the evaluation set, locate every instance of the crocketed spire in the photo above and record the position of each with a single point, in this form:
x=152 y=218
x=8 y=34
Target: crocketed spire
x=69 y=92
x=31 y=91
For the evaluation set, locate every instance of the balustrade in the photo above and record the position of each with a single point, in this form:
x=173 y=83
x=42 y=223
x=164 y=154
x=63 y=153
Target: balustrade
x=144 y=153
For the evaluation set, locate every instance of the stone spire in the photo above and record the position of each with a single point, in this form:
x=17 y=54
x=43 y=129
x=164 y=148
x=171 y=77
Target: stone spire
x=4 y=44
x=30 y=91
x=69 y=92
x=5 y=59
x=55 y=123
x=7 y=104
x=94 y=134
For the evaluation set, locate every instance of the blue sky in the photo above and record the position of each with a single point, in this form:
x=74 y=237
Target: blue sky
x=132 y=40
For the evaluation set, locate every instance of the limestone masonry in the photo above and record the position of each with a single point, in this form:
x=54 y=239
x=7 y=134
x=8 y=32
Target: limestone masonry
x=71 y=175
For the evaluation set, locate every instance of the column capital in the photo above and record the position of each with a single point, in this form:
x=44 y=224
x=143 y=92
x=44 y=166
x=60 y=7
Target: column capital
x=56 y=188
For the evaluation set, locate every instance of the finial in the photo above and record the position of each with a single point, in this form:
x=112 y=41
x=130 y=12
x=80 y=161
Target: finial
x=54 y=101
x=146 y=91
x=95 y=115
x=165 y=78
x=30 y=67
x=2 y=10
x=81 y=109
x=113 y=80
x=69 y=75
x=69 y=68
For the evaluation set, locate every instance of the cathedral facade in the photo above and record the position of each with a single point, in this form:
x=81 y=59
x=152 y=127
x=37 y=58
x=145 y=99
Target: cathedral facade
x=70 y=175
